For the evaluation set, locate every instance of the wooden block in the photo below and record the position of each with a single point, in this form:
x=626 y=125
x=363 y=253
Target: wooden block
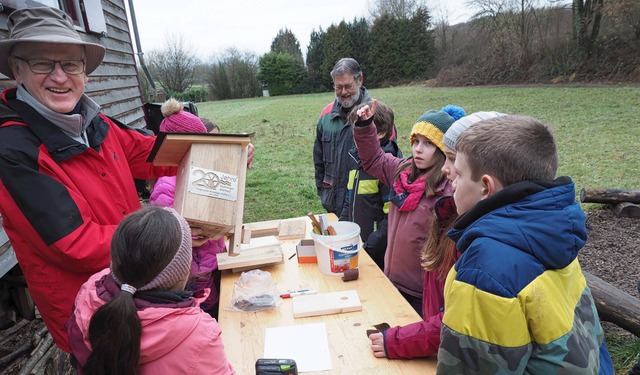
x=326 y=303
x=257 y=243
x=261 y=251
x=246 y=235
x=292 y=228
x=264 y=228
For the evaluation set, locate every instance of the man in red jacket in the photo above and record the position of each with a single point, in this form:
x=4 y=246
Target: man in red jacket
x=66 y=170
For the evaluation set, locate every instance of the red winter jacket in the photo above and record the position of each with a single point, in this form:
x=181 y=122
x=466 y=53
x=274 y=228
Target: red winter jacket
x=420 y=339
x=61 y=201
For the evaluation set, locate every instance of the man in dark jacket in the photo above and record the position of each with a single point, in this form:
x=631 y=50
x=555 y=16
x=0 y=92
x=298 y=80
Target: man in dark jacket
x=334 y=135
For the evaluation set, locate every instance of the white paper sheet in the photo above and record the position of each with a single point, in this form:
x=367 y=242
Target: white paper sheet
x=306 y=344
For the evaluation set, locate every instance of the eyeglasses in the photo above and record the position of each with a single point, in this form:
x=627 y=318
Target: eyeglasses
x=348 y=87
x=44 y=66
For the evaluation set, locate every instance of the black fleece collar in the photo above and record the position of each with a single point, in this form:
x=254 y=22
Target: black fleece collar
x=510 y=194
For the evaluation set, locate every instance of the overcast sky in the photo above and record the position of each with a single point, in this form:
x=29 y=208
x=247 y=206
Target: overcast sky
x=211 y=26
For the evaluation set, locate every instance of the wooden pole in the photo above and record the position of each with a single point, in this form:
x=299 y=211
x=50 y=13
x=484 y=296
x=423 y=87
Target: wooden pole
x=609 y=196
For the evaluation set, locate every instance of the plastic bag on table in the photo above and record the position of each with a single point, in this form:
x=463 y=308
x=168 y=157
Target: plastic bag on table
x=254 y=291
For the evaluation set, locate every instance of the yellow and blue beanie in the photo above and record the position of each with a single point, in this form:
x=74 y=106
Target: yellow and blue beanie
x=433 y=124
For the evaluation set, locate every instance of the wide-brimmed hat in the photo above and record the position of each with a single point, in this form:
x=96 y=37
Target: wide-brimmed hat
x=45 y=25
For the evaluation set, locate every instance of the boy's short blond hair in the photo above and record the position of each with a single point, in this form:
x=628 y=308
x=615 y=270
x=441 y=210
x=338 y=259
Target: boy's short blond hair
x=510 y=148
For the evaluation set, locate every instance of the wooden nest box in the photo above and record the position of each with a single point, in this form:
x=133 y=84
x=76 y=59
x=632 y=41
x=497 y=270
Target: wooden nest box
x=210 y=182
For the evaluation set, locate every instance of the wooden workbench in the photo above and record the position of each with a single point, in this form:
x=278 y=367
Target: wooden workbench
x=243 y=333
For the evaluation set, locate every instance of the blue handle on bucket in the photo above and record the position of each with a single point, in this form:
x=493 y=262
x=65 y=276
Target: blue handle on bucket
x=317 y=238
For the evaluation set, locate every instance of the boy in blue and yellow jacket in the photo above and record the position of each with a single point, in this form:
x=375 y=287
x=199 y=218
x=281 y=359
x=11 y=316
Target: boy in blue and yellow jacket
x=367 y=199
x=516 y=301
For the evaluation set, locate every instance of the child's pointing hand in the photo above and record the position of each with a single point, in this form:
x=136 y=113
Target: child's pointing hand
x=366 y=112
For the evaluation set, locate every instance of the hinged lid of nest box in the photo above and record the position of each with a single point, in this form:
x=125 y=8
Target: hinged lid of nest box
x=170 y=148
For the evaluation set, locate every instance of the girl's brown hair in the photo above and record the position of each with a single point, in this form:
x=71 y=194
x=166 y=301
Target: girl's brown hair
x=439 y=252
x=142 y=245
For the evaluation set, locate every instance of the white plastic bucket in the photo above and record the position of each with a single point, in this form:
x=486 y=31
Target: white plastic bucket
x=338 y=253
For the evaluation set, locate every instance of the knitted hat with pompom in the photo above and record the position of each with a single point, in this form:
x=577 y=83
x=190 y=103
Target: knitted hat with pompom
x=177 y=120
x=433 y=124
x=451 y=135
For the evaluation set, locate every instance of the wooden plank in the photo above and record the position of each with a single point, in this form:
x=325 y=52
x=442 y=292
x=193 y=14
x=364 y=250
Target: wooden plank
x=292 y=228
x=326 y=303
x=257 y=243
x=264 y=228
x=113 y=108
x=104 y=83
x=254 y=258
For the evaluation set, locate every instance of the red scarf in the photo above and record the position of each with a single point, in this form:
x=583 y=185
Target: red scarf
x=415 y=189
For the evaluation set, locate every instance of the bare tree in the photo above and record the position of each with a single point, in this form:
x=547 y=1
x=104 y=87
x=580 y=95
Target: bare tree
x=173 y=67
x=394 y=8
x=587 y=17
x=625 y=13
x=232 y=75
x=441 y=23
x=514 y=22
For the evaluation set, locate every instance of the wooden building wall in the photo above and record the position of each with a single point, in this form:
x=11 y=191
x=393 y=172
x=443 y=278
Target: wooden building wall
x=114 y=85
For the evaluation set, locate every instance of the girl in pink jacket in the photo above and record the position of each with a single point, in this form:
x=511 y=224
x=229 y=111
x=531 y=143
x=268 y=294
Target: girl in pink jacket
x=416 y=184
x=204 y=269
x=422 y=339
x=136 y=318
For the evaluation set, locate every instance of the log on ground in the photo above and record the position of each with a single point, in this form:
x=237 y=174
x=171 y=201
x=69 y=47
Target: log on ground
x=627 y=209
x=614 y=305
x=609 y=196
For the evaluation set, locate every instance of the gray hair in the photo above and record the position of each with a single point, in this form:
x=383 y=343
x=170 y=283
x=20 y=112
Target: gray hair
x=347 y=65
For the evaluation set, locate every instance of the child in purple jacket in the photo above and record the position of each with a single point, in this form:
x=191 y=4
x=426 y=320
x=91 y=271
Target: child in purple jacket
x=204 y=267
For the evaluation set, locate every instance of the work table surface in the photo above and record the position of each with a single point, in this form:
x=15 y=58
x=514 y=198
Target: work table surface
x=243 y=333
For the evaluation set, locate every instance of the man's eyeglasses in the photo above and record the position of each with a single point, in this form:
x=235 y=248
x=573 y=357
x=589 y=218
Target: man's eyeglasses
x=44 y=66
x=348 y=87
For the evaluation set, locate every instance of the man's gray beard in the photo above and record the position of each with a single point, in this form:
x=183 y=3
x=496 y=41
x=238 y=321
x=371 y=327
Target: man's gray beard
x=351 y=101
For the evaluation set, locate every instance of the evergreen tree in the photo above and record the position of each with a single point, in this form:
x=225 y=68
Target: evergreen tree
x=286 y=42
x=315 y=57
x=359 y=36
x=401 y=49
x=282 y=72
x=336 y=45
x=422 y=45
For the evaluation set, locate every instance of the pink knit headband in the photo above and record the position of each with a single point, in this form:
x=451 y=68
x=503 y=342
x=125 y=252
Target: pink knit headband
x=178 y=267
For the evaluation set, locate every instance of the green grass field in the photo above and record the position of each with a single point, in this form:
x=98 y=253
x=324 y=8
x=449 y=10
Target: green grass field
x=597 y=130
